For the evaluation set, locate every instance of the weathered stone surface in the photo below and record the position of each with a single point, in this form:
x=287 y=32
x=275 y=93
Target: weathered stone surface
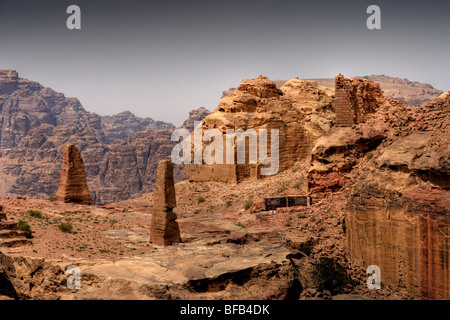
x=164 y=229
x=398 y=215
x=123 y=125
x=413 y=93
x=337 y=152
x=72 y=184
x=258 y=104
x=354 y=99
x=195 y=115
x=164 y=194
x=407 y=236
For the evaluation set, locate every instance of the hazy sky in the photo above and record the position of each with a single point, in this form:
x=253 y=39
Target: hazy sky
x=162 y=59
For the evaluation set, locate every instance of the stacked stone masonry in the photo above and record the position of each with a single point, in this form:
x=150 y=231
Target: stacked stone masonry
x=355 y=98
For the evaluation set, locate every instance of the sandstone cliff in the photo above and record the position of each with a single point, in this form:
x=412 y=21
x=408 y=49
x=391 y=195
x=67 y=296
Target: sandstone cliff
x=120 y=152
x=396 y=165
x=300 y=110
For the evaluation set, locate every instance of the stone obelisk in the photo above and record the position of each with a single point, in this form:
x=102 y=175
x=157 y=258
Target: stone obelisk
x=164 y=228
x=72 y=184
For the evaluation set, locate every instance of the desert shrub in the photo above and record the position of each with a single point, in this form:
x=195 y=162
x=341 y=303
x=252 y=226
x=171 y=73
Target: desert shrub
x=52 y=198
x=306 y=247
x=312 y=219
x=65 y=227
x=240 y=225
x=282 y=188
x=229 y=203
x=24 y=226
x=201 y=199
x=299 y=183
x=35 y=213
x=331 y=275
x=369 y=156
x=248 y=204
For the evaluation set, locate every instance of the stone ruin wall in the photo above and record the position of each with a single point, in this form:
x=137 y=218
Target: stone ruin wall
x=355 y=98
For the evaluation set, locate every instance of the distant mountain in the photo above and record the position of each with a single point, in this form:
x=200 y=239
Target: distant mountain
x=412 y=92
x=123 y=125
x=120 y=152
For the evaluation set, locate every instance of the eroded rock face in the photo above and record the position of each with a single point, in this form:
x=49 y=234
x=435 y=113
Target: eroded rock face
x=164 y=229
x=125 y=124
x=364 y=119
x=337 y=152
x=36 y=122
x=72 y=184
x=195 y=115
x=406 y=235
x=300 y=110
x=397 y=215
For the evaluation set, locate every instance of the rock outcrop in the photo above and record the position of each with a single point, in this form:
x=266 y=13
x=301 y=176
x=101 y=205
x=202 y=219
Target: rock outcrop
x=72 y=184
x=164 y=229
x=397 y=215
x=195 y=115
x=354 y=99
x=258 y=104
x=125 y=124
x=361 y=125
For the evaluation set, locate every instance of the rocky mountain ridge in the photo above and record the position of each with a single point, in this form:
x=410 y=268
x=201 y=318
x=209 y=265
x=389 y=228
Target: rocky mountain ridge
x=413 y=93
x=120 y=151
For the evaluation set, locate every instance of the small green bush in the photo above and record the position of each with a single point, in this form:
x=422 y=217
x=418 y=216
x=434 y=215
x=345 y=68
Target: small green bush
x=24 y=226
x=248 y=204
x=282 y=188
x=201 y=199
x=240 y=225
x=300 y=183
x=52 y=198
x=369 y=156
x=312 y=219
x=306 y=247
x=35 y=213
x=229 y=203
x=331 y=275
x=65 y=227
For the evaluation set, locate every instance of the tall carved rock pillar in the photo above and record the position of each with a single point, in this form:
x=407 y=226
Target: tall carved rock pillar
x=72 y=184
x=164 y=228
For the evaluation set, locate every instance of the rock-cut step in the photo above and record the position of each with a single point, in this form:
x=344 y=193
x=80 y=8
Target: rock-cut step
x=14 y=242
x=7 y=234
x=10 y=236
x=8 y=225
